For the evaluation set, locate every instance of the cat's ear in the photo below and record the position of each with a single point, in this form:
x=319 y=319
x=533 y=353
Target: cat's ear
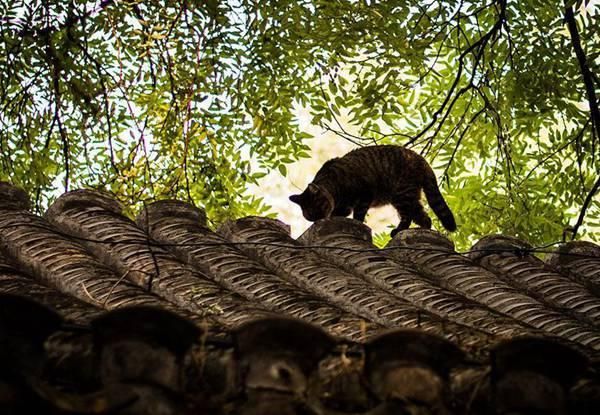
x=295 y=198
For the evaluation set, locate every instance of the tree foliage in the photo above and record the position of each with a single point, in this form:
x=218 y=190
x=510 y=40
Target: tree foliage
x=196 y=99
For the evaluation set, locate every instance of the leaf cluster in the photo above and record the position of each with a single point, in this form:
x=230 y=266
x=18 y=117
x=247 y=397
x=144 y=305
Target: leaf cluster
x=198 y=99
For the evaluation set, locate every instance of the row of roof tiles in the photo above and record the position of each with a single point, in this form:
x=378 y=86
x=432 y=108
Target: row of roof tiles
x=84 y=256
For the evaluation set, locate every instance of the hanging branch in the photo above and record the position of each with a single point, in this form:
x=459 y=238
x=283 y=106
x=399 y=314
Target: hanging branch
x=70 y=21
x=106 y=101
x=588 y=80
x=478 y=47
x=586 y=73
x=61 y=129
x=342 y=132
x=55 y=68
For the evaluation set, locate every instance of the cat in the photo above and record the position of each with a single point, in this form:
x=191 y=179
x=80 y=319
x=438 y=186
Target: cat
x=375 y=176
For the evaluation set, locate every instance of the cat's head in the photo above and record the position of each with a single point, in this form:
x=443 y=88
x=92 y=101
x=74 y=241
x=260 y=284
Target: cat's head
x=316 y=202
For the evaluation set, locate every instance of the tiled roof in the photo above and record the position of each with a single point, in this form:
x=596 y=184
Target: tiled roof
x=100 y=313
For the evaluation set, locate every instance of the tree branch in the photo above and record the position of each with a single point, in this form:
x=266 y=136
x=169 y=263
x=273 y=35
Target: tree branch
x=584 y=208
x=588 y=80
x=586 y=73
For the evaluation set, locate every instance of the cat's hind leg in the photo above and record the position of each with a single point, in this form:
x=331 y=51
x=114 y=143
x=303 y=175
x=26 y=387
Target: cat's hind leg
x=405 y=218
x=420 y=217
x=411 y=211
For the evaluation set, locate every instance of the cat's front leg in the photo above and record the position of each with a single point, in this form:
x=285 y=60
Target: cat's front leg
x=420 y=217
x=360 y=211
x=341 y=211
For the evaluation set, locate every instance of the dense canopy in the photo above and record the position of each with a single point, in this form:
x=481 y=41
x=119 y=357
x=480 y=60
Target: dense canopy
x=196 y=99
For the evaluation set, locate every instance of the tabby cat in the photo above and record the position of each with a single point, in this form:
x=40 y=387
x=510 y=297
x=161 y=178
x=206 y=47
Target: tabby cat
x=375 y=176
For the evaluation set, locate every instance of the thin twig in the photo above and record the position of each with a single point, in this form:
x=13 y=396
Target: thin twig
x=584 y=208
x=458 y=142
x=576 y=137
x=354 y=139
x=112 y=288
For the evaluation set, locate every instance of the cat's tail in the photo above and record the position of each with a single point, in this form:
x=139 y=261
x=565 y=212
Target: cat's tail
x=436 y=201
